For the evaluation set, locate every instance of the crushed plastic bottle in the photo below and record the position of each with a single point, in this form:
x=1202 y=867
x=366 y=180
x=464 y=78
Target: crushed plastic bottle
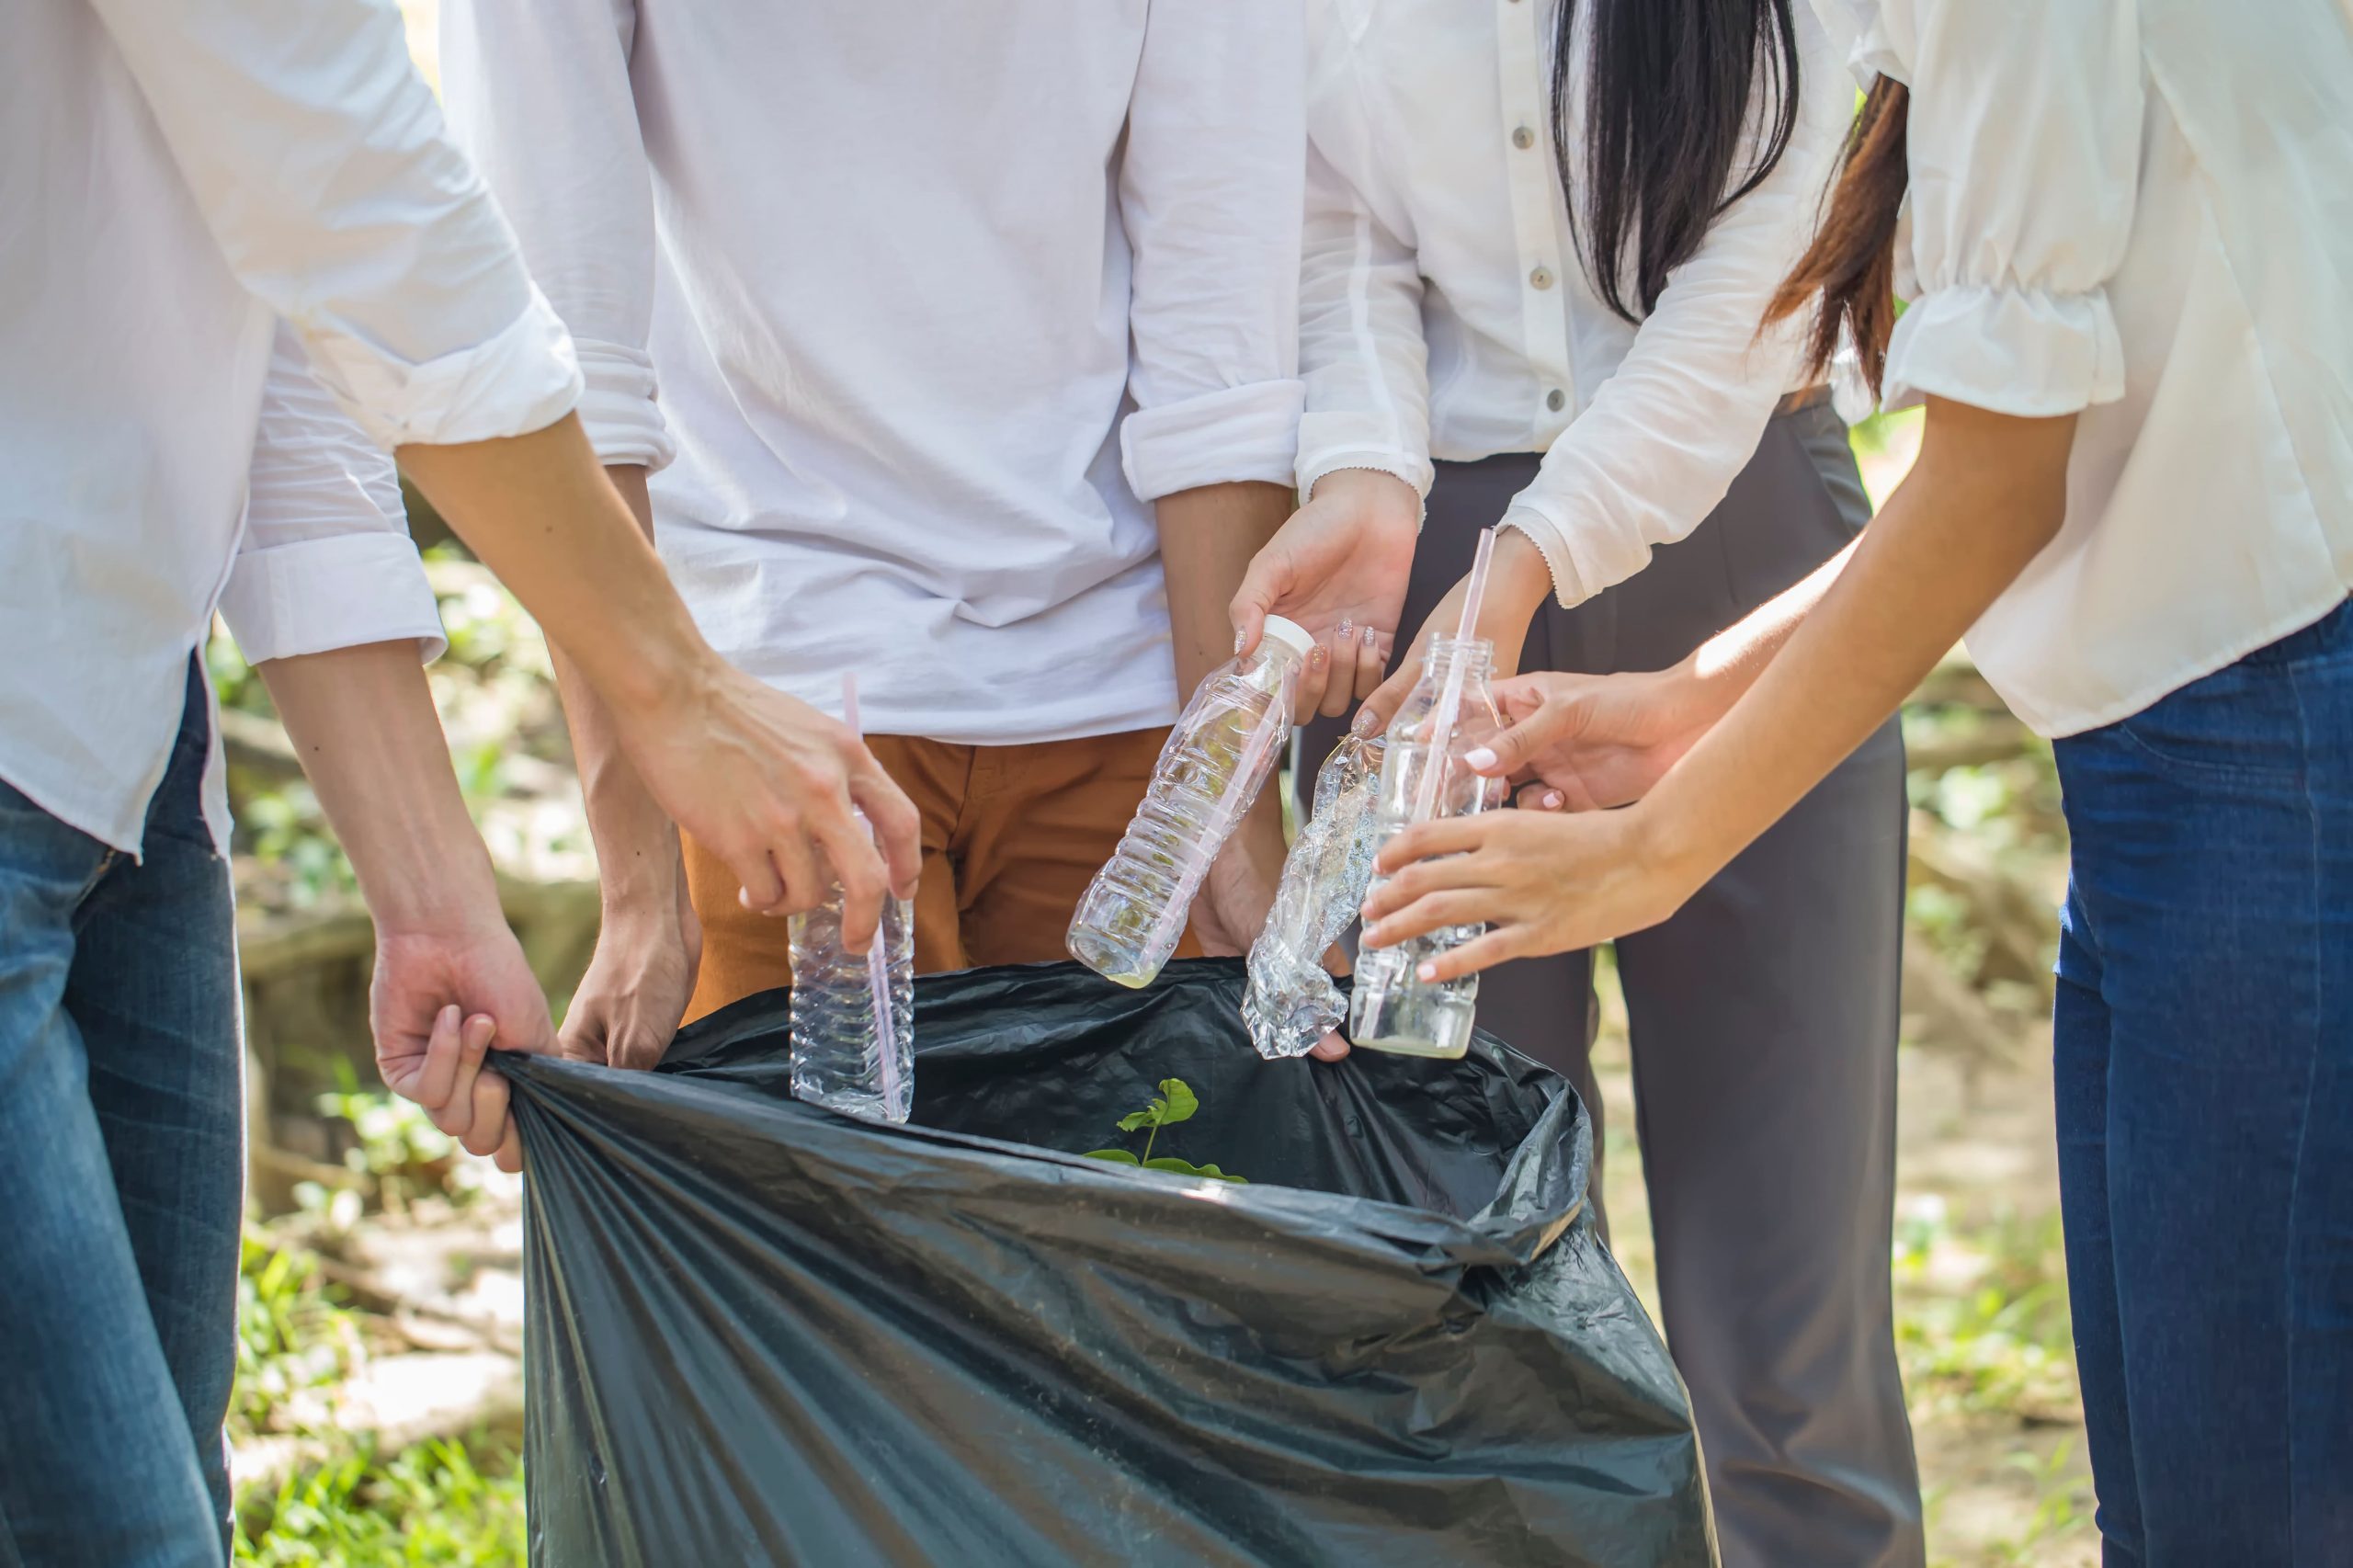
x=854 y=1014
x=1222 y=752
x=1393 y=1008
x=1291 y=1001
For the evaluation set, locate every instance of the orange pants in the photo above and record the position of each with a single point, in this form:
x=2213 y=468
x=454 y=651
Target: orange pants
x=1011 y=836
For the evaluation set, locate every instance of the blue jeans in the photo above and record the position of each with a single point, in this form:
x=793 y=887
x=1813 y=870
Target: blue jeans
x=121 y=1170
x=2204 y=1054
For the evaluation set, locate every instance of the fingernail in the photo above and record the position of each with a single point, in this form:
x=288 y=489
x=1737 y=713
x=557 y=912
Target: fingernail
x=1317 y=656
x=1481 y=758
x=1363 y=725
x=449 y=1016
x=1427 y=971
x=1239 y=639
x=1346 y=629
x=1373 y=637
x=1554 y=799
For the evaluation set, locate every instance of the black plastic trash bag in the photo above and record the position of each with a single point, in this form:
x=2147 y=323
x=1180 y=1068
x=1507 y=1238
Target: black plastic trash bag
x=760 y=1332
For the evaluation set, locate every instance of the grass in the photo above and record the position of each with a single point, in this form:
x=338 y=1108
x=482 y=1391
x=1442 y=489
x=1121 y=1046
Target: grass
x=438 y=1505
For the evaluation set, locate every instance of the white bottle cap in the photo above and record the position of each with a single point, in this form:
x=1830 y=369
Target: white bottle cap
x=1290 y=634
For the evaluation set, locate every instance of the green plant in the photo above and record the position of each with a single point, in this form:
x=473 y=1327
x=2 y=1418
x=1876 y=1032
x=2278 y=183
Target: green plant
x=1175 y=1103
x=434 y=1505
x=291 y=1335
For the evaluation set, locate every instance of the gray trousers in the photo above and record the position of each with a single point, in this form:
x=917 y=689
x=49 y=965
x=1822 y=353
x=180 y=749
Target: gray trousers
x=1763 y=1027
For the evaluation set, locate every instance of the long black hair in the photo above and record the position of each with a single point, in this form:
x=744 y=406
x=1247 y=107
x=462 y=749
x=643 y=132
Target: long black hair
x=1672 y=93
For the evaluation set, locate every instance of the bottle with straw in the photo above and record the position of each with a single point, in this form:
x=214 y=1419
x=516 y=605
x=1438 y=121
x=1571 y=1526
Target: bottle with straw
x=853 y=1013
x=1423 y=776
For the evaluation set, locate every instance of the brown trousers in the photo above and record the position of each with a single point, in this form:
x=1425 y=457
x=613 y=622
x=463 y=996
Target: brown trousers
x=1011 y=836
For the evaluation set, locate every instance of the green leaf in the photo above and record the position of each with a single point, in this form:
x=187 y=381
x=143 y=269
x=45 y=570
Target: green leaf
x=1178 y=1102
x=1184 y=1167
x=1116 y=1156
x=1137 y=1119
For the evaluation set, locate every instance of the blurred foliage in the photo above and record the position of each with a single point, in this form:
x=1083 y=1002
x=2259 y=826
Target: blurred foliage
x=439 y=1505
x=1984 y=1325
x=396 y=1152
x=291 y=1333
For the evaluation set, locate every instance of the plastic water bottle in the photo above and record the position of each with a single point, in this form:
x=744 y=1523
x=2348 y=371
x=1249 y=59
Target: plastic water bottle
x=1394 y=1009
x=1291 y=1002
x=848 y=1053
x=1225 y=746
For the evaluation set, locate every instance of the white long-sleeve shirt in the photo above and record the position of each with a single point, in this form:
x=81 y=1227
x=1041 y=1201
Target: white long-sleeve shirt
x=1444 y=313
x=2138 y=211
x=176 y=178
x=921 y=305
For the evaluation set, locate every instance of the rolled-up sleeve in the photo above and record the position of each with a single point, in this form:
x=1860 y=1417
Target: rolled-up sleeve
x=1209 y=195
x=2025 y=138
x=539 y=95
x=1360 y=347
x=326 y=561
x=322 y=169
x=1663 y=439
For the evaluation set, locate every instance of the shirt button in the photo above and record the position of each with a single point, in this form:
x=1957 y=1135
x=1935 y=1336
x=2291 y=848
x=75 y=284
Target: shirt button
x=1523 y=139
x=1556 y=400
x=1542 y=278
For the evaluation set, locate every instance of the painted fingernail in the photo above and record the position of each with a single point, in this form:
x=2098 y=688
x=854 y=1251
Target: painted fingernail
x=1318 y=656
x=1480 y=758
x=1373 y=637
x=1554 y=799
x=1363 y=725
x=1344 y=630
x=1427 y=971
x=1239 y=639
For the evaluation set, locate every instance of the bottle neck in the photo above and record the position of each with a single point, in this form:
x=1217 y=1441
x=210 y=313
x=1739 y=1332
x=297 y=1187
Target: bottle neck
x=1475 y=656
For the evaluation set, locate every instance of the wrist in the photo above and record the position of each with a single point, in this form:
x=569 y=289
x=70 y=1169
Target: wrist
x=1374 y=491
x=447 y=889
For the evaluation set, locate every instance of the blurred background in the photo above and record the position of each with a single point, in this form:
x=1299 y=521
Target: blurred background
x=379 y=1408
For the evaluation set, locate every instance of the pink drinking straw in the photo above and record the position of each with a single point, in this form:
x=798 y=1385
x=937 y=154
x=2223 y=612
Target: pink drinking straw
x=1437 y=762
x=878 y=963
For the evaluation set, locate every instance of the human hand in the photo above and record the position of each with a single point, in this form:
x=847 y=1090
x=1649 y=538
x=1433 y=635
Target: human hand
x=1338 y=567
x=1540 y=881
x=436 y=1001
x=1518 y=582
x=769 y=784
x=1587 y=743
x=638 y=982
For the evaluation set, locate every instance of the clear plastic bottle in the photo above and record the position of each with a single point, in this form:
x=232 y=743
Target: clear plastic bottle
x=1225 y=746
x=1291 y=1002
x=849 y=1054
x=1393 y=1008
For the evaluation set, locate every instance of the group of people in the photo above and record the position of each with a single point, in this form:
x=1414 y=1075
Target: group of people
x=985 y=352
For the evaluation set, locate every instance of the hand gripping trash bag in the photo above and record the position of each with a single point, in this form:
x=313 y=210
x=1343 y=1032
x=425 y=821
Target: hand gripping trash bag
x=762 y=1333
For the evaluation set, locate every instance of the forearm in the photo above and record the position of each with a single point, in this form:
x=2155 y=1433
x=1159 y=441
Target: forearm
x=1728 y=664
x=638 y=866
x=539 y=511
x=1208 y=536
x=362 y=720
x=1980 y=505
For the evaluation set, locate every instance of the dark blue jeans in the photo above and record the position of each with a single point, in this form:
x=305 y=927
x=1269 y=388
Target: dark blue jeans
x=2204 y=1052
x=120 y=1169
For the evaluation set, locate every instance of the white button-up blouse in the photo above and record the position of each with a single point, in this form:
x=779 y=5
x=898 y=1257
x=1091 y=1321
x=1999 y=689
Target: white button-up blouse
x=1444 y=313
x=2140 y=211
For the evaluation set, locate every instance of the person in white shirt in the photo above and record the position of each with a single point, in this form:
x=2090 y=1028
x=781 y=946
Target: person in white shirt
x=1540 y=237
x=2126 y=231
x=954 y=346
x=242 y=260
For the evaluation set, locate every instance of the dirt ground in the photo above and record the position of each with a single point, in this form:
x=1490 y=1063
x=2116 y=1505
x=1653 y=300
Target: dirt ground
x=1980 y=1296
